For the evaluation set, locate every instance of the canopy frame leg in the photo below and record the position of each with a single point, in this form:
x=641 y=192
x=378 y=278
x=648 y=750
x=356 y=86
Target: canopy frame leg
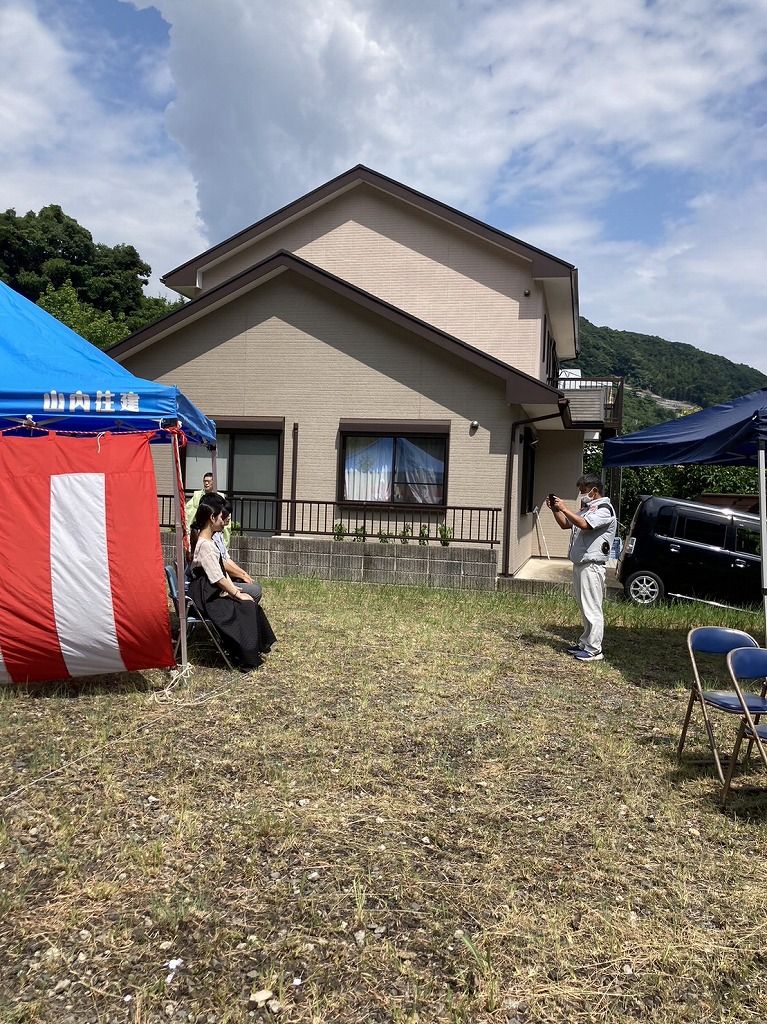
x=180 y=567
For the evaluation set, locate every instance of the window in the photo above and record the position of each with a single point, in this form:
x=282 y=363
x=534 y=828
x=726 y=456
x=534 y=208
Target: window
x=747 y=540
x=198 y=461
x=663 y=521
x=248 y=465
x=549 y=355
x=527 y=486
x=395 y=468
x=702 y=531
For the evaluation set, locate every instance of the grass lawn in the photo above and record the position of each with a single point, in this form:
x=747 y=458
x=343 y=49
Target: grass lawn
x=420 y=810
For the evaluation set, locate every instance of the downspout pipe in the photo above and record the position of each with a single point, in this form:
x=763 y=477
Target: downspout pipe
x=293 y=482
x=510 y=478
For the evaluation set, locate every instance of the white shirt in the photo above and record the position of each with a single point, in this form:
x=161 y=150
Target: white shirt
x=208 y=557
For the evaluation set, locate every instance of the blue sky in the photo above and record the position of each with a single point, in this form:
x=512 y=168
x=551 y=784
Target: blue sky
x=627 y=138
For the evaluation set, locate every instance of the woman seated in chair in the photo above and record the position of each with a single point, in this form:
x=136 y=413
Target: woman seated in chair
x=242 y=623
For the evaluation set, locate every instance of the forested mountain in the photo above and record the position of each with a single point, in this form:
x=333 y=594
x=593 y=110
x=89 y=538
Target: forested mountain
x=671 y=369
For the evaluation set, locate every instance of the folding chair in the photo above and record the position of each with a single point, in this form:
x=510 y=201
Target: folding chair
x=194 y=618
x=717 y=640
x=747 y=663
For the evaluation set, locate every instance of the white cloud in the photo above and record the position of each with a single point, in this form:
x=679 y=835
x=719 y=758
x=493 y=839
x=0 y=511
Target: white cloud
x=536 y=115
x=534 y=112
x=111 y=169
x=703 y=284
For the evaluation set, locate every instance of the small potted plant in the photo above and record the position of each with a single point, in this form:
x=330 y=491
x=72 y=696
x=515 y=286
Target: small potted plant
x=339 y=531
x=383 y=536
x=445 y=534
x=423 y=534
x=406 y=533
x=360 y=534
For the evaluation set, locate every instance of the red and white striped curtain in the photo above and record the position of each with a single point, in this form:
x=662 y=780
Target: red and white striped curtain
x=82 y=589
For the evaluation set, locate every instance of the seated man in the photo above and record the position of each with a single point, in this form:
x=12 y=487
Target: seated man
x=241 y=579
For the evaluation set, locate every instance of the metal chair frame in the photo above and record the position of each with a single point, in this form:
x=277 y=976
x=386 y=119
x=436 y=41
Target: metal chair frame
x=194 y=617
x=718 y=640
x=747 y=663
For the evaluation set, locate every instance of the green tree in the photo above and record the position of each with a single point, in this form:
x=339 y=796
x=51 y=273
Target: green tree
x=639 y=412
x=102 y=329
x=152 y=308
x=669 y=481
x=50 y=250
x=683 y=482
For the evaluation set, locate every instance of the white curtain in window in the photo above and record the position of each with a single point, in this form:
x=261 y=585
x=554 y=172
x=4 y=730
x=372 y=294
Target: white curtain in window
x=368 y=469
x=420 y=471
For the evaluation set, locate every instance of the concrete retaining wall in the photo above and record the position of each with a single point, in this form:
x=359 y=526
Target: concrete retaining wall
x=455 y=567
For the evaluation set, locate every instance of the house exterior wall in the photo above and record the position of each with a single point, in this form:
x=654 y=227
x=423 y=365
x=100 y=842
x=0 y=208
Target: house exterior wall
x=162 y=456
x=291 y=349
x=461 y=284
x=559 y=457
x=559 y=463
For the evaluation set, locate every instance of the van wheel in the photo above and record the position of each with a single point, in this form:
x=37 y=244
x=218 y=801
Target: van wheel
x=644 y=588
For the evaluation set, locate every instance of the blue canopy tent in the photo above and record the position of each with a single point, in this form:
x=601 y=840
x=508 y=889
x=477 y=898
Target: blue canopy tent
x=52 y=379
x=60 y=380
x=731 y=434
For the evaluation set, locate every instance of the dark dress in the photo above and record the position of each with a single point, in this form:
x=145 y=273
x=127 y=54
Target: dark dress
x=243 y=625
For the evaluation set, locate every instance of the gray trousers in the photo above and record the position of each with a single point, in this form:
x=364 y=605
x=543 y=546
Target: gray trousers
x=254 y=589
x=589 y=590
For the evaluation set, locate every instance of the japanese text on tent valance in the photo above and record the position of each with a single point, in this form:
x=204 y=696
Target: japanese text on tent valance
x=104 y=401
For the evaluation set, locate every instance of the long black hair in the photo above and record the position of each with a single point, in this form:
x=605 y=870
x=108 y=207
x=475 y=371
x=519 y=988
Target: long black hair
x=211 y=505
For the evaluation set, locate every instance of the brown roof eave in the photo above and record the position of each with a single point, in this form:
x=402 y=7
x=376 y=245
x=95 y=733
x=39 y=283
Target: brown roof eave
x=543 y=264
x=520 y=387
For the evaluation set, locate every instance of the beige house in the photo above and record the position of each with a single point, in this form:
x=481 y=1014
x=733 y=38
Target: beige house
x=375 y=360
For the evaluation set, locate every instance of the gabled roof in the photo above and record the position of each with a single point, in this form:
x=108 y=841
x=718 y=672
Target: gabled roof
x=521 y=389
x=558 y=278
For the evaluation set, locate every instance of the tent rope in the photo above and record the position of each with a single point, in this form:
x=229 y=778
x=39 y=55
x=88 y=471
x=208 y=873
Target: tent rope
x=83 y=433
x=30 y=425
x=168 y=706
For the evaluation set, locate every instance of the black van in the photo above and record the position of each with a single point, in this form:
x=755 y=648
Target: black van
x=683 y=549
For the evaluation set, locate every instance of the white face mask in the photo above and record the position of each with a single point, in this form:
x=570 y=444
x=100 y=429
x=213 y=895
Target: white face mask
x=584 y=499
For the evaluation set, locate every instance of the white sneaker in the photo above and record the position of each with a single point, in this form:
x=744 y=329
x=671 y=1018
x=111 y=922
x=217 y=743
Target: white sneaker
x=585 y=656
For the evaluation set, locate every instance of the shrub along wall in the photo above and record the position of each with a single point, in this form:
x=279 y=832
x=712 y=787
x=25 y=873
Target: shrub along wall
x=456 y=567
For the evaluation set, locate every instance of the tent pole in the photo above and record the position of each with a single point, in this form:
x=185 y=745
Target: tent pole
x=763 y=522
x=179 y=550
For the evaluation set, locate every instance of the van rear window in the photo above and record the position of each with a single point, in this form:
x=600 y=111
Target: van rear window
x=663 y=521
x=701 y=531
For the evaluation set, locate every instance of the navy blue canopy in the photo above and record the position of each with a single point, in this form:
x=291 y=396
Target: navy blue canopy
x=731 y=434
x=61 y=381
x=724 y=435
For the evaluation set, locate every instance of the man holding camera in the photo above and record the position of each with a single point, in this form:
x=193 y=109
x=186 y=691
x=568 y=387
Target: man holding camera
x=592 y=532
